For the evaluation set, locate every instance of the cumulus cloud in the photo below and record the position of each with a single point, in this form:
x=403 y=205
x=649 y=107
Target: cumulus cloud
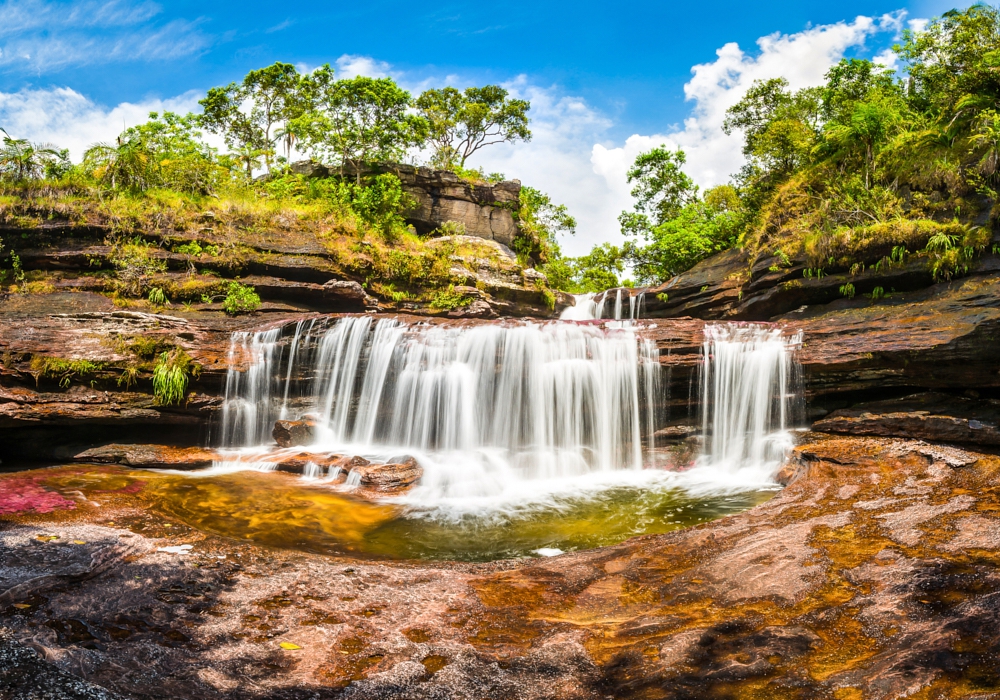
x=802 y=59
x=46 y=35
x=67 y=119
x=350 y=66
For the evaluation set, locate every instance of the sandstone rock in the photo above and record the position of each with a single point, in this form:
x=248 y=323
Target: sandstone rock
x=150 y=456
x=477 y=309
x=293 y=433
x=309 y=168
x=485 y=211
x=388 y=477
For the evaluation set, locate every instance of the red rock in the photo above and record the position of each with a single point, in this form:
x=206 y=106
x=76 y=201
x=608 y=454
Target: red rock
x=388 y=477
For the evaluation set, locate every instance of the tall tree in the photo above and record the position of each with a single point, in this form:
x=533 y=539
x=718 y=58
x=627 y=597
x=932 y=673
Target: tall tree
x=22 y=160
x=461 y=123
x=358 y=120
x=248 y=114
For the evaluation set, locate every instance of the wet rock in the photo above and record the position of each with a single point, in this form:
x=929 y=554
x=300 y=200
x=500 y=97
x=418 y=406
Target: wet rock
x=294 y=433
x=388 y=477
x=150 y=456
x=477 y=309
x=929 y=416
x=24 y=675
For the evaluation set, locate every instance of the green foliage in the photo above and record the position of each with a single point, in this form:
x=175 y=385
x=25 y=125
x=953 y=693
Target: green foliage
x=157 y=297
x=249 y=114
x=21 y=160
x=354 y=122
x=540 y=221
x=381 y=203
x=240 y=299
x=171 y=375
x=594 y=272
x=134 y=265
x=65 y=371
x=448 y=299
x=702 y=227
x=460 y=123
x=847 y=290
x=877 y=293
x=662 y=189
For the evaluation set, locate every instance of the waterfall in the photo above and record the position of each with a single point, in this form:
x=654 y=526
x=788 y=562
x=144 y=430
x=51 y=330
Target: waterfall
x=748 y=395
x=587 y=309
x=478 y=406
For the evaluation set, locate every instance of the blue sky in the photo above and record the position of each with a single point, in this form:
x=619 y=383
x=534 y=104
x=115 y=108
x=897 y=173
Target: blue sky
x=606 y=79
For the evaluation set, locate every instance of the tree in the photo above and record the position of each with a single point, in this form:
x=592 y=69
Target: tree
x=22 y=160
x=701 y=228
x=463 y=122
x=181 y=160
x=358 y=121
x=540 y=221
x=954 y=64
x=662 y=188
x=248 y=114
x=127 y=164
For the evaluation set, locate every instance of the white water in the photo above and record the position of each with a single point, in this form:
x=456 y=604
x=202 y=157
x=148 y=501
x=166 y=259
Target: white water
x=484 y=409
x=747 y=397
x=586 y=309
x=512 y=415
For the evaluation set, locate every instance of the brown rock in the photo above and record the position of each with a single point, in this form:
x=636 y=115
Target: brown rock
x=293 y=433
x=150 y=456
x=387 y=477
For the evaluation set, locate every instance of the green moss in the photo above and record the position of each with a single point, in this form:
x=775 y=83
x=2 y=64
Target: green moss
x=448 y=299
x=66 y=371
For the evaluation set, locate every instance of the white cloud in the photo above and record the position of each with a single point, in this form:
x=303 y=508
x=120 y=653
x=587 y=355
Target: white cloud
x=569 y=156
x=67 y=119
x=712 y=156
x=349 y=66
x=918 y=24
x=45 y=35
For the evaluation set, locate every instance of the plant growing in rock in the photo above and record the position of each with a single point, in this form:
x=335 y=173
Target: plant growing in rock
x=171 y=375
x=448 y=299
x=157 y=297
x=240 y=299
x=134 y=265
x=65 y=371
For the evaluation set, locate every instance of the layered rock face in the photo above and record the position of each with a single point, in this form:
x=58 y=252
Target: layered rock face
x=441 y=196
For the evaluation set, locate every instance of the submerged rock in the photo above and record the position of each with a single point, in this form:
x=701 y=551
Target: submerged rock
x=294 y=433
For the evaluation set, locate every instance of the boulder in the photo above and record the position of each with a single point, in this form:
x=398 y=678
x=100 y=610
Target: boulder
x=309 y=168
x=293 y=433
x=477 y=309
x=389 y=477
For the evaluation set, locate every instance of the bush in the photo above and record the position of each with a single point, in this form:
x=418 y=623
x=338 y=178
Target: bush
x=240 y=299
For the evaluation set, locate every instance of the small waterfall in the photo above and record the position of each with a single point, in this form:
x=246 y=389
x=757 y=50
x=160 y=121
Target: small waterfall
x=586 y=309
x=748 y=395
x=479 y=406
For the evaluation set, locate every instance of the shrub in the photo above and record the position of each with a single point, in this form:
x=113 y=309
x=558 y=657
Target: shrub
x=240 y=299
x=847 y=290
x=135 y=265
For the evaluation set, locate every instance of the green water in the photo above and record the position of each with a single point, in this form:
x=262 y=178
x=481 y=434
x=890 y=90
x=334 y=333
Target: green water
x=281 y=510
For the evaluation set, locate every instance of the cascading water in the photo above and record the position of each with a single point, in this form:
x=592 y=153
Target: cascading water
x=748 y=396
x=586 y=309
x=483 y=408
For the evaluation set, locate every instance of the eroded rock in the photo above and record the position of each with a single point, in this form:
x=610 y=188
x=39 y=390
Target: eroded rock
x=294 y=433
x=388 y=477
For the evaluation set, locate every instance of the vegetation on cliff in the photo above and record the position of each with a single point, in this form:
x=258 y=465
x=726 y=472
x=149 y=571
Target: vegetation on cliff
x=161 y=189
x=871 y=168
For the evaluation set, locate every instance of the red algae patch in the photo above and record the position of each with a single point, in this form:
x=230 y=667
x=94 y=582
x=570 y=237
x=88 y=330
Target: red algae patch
x=25 y=494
